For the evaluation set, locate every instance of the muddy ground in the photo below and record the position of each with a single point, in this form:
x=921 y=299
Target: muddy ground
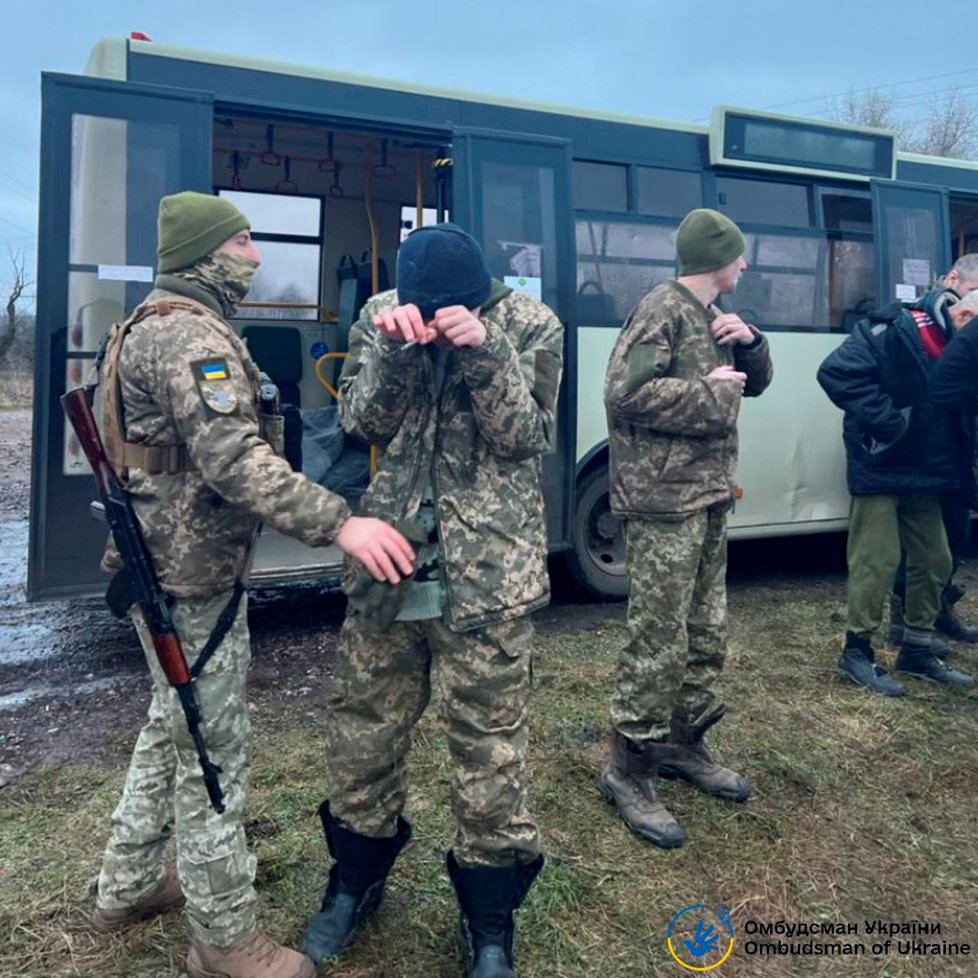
x=74 y=686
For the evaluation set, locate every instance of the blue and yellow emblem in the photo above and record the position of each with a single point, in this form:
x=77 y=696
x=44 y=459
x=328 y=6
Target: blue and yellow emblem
x=215 y=384
x=701 y=939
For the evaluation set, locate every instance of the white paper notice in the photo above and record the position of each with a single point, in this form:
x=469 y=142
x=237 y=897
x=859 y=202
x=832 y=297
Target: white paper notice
x=906 y=293
x=126 y=273
x=532 y=286
x=916 y=271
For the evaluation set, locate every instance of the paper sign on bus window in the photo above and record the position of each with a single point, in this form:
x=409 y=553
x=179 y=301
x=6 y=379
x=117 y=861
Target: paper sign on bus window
x=906 y=293
x=531 y=285
x=126 y=273
x=916 y=271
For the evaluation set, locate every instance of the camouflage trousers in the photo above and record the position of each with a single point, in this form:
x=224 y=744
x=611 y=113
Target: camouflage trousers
x=677 y=621
x=165 y=795
x=383 y=685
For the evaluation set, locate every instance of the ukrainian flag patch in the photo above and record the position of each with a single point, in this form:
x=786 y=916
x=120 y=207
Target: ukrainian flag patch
x=215 y=370
x=215 y=384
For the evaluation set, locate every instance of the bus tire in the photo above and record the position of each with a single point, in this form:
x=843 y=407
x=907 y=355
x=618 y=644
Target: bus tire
x=596 y=559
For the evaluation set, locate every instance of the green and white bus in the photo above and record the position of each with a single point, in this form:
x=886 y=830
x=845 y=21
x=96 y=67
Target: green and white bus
x=579 y=208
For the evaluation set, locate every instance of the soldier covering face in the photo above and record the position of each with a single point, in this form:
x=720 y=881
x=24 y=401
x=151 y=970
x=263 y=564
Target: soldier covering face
x=455 y=377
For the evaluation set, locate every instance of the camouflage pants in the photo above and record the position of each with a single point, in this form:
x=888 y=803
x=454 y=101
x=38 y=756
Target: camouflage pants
x=383 y=684
x=677 y=621
x=165 y=794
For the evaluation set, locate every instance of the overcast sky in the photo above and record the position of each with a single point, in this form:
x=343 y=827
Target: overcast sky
x=665 y=58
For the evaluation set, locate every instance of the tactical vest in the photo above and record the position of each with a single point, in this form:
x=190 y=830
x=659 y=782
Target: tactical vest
x=124 y=455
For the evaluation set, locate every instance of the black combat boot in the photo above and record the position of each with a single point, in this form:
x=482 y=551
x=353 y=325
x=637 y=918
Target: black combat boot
x=487 y=897
x=858 y=664
x=948 y=621
x=895 y=634
x=696 y=764
x=917 y=658
x=355 y=887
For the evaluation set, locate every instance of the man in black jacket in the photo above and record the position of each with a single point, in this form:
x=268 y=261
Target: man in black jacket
x=961 y=279
x=953 y=382
x=903 y=454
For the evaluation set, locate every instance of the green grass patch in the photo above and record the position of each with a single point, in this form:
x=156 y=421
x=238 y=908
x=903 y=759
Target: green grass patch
x=864 y=808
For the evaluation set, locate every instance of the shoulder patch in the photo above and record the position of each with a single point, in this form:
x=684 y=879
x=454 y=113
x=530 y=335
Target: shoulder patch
x=214 y=382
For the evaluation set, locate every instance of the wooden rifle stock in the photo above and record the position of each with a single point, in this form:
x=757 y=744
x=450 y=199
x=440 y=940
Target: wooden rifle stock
x=142 y=586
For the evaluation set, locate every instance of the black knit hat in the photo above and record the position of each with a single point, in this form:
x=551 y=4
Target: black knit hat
x=440 y=266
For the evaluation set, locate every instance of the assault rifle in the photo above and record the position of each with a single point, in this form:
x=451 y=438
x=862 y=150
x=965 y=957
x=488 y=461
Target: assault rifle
x=137 y=582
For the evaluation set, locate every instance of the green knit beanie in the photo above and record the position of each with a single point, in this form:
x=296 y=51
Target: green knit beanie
x=707 y=240
x=192 y=225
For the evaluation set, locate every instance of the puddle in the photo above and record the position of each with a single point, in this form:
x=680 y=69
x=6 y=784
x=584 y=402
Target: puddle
x=43 y=690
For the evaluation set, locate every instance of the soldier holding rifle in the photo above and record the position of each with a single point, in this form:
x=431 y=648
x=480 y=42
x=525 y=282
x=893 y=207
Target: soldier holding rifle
x=186 y=435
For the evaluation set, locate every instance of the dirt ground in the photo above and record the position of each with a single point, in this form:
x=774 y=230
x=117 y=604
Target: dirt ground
x=864 y=808
x=74 y=686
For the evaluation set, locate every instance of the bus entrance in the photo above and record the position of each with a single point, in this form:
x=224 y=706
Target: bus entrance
x=330 y=199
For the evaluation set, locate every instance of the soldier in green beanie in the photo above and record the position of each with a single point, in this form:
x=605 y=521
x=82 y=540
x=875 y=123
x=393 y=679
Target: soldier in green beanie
x=185 y=431
x=673 y=391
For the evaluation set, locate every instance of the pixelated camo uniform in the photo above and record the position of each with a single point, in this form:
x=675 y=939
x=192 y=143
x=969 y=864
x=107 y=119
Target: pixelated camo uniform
x=187 y=379
x=477 y=444
x=673 y=445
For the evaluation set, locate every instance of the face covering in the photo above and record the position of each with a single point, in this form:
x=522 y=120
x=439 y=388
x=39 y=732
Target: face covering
x=225 y=275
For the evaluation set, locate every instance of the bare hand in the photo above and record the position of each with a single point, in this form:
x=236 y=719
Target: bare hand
x=378 y=546
x=460 y=326
x=730 y=328
x=404 y=324
x=728 y=373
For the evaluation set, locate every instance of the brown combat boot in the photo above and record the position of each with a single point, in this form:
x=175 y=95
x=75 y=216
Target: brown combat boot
x=255 y=957
x=695 y=764
x=163 y=898
x=628 y=783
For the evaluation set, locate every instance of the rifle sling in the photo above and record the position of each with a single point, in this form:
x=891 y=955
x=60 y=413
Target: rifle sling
x=221 y=628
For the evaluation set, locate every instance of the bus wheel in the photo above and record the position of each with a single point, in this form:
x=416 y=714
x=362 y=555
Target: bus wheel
x=597 y=557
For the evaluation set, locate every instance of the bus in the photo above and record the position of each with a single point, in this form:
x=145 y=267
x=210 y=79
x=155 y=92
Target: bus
x=579 y=208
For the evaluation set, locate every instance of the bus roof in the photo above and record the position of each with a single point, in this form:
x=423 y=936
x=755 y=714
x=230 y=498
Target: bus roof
x=109 y=59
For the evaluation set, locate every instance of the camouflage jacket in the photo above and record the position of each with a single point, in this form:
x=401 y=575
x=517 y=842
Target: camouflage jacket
x=481 y=441
x=187 y=379
x=673 y=432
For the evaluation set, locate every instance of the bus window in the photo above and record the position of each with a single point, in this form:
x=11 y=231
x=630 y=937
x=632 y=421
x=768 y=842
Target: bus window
x=781 y=286
x=288 y=234
x=617 y=263
x=846 y=212
x=764 y=202
x=667 y=193
x=600 y=186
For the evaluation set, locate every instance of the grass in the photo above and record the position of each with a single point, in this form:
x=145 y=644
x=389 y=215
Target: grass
x=864 y=808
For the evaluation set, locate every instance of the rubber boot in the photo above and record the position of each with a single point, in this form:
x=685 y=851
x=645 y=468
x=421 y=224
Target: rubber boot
x=917 y=658
x=858 y=665
x=487 y=897
x=948 y=621
x=162 y=898
x=355 y=887
x=255 y=957
x=696 y=765
x=628 y=783
x=895 y=634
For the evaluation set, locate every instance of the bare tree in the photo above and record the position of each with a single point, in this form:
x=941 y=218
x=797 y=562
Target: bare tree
x=19 y=284
x=949 y=128
x=946 y=128
x=868 y=107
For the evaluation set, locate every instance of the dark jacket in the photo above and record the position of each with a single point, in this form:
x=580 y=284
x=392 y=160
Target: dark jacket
x=954 y=379
x=897 y=441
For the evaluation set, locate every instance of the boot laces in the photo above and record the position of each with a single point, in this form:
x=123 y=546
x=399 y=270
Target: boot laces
x=260 y=947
